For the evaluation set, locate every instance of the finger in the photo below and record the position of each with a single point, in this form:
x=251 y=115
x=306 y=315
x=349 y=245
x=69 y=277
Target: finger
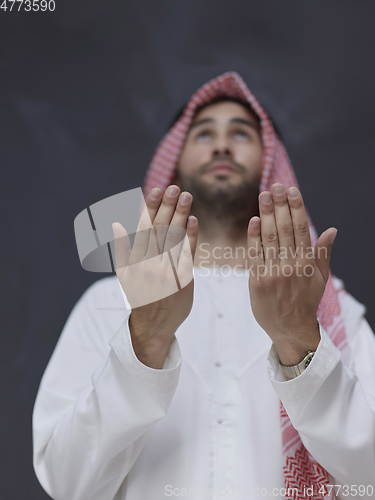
x=322 y=251
x=162 y=220
x=153 y=202
x=254 y=242
x=176 y=230
x=268 y=230
x=284 y=224
x=186 y=260
x=142 y=235
x=302 y=239
x=121 y=245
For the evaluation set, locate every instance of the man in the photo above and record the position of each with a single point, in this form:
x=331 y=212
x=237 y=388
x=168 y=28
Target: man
x=119 y=416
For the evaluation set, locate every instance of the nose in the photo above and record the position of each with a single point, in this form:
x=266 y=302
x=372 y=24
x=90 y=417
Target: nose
x=222 y=147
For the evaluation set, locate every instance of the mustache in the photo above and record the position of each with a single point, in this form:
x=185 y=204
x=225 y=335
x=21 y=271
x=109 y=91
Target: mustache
x=204 y=168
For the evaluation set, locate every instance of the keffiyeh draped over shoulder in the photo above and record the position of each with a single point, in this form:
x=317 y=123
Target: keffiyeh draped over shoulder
x=300 y=468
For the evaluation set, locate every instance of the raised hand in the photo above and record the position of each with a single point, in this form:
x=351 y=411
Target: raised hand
x=287 y=277
x=157 y=273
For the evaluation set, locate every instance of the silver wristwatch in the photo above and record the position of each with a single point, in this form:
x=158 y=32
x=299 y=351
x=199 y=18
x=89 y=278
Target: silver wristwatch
x=294 y=371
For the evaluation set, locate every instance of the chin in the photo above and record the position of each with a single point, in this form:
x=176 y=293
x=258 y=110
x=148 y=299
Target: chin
x=221 y=189
x=223 y=183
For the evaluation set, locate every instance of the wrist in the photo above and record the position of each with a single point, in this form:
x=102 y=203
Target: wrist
x=291 y=372
x=151 y=347
x=293 y=350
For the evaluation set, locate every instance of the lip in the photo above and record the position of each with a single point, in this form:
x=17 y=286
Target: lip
x=222 y=168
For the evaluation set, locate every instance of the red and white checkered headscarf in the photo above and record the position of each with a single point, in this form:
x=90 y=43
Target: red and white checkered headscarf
x=300 y=468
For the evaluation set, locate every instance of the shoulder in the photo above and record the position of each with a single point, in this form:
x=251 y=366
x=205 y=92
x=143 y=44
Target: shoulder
x=353 y=312
x=108 y=284
x=105 y=290
x=97 y=315
x=361 y=338
x=351 y=308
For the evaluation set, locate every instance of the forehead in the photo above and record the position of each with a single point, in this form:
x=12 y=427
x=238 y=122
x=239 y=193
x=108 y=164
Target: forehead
x=223 y=112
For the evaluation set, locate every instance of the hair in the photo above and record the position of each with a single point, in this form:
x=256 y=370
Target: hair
x=225 y=98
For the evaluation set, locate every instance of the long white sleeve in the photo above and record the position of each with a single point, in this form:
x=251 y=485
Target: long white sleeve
x=333 y=406
x=95 y=403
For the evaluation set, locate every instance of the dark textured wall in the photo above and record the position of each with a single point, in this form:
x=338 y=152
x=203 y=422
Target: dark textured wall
x=86 y=93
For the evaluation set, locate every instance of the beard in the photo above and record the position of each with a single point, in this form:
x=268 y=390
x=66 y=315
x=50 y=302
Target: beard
x=220 y=198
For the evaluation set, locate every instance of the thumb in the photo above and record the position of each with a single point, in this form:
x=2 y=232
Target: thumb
x=121 y=245
x=187 y=255
x=322 y=251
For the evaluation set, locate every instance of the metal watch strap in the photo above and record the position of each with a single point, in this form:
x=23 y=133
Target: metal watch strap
x=294 y=371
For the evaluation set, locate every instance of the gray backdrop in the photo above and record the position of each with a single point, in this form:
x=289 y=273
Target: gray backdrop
x=86 y=93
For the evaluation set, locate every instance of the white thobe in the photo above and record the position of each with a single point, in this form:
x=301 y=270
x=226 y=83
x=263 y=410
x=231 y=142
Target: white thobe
x=206 y=425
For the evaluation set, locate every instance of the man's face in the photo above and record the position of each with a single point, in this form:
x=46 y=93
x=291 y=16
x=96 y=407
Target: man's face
x=222 y=157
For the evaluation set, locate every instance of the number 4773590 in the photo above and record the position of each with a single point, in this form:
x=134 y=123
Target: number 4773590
x=346 y=490
x=28 y=5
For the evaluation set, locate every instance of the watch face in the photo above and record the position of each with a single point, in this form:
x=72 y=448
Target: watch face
x=308 y=360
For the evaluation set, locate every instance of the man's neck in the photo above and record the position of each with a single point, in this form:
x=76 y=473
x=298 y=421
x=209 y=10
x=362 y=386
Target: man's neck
x=222 y=241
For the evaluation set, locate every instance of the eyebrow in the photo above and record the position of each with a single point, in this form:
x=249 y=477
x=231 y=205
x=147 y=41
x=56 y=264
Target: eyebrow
x=243 y=121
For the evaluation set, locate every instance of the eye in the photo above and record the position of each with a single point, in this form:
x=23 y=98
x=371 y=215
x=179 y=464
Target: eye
x=241 y=134
x=204 y=134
